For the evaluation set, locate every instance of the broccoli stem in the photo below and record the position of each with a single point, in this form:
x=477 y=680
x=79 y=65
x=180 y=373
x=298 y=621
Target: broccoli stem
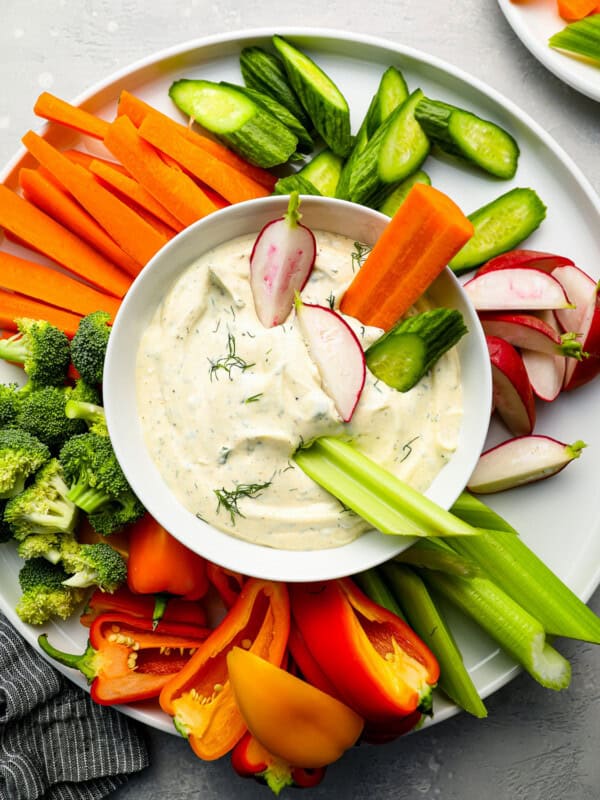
x=87 y=498
x=14 y=349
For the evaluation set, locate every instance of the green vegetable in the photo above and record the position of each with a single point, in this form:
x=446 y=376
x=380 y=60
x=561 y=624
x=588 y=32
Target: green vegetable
x=427 y=621
x=472 y=510
x=40 y=545
x=280 y=112
x=393 y=201
x=581 y=37
x=91 y=413
x=88 y=348
x=436 y=554
x=396 y=150
x=10 y=400
x=500 y=226
x=21 y=454
x=5 y=531
x=237 y=120
x=43 y=350
x=295 y=183
x=43 y=507
x=98 y=565
x=97 y=484
x=42 y=414
x=43 y=593
x=264 y=72
x=375 y=494
x=373 y=585
x=324 y=103
x=516 y=631
x=465 y=135
x=403 y=355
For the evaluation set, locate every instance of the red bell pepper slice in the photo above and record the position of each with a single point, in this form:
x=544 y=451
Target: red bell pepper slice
x=123 y=601
x=158 y=562
x=200 y=697
x=376 y=662
x=126 y=660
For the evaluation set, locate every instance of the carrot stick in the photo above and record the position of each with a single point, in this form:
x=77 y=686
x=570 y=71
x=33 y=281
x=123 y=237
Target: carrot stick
x=48 y=285
x=133 y=190
x=50 y=197
x=133 y=234
x=215 y=197
x=425 y=233
x=53 y=108
x=85 y=159
x=157 y=223
x=229 y=182
x=42 y=233
x=13 y=306
x=573 y=10
x=136 y=109
x=172 y=188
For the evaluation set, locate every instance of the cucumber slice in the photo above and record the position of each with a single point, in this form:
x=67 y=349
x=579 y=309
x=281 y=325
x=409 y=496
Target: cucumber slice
x=264 y=72
x=305 y=142
x=397 y=149
x=391 y=93
x=500 y=226
x=323 y=171
x=465 y=135
x=405 y=353
x=393 y=202
x=324 y=103
x=237 y=120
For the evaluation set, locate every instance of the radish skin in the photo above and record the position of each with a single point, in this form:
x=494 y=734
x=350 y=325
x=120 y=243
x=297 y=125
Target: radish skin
x=516 y=289
x=512 y=393
x=525 y=258
x=522 y=460
x=530 y=332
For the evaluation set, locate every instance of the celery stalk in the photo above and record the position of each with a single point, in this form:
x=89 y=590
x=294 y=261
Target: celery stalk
x=581 y=37
x=373 y=585
x=375 y=494
x=425 y=618
x=472 y=510
x=434 y=554
x=516 y=631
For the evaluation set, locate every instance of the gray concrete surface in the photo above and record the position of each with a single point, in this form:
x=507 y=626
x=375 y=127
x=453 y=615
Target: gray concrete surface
x=536 y=744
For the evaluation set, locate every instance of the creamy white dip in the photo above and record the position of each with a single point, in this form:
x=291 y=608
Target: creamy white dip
x=224 y=404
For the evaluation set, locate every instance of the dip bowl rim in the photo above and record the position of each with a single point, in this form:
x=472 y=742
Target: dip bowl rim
x=120 y=396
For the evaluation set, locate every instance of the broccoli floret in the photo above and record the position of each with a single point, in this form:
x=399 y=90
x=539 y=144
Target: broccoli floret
x=21 y=454
x=40 y=545
x=98 y=565
x=10 y=400
x=44 y=593
x=43 y=507
x=5 y=531
x=91 y=414
x=84 y=392
x=43 y=414
x=97 y=483
x=43 y=350
x=68 y=549
x=89 y=344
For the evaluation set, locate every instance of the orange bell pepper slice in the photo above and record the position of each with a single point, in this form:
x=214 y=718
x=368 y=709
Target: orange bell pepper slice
x=200 y=698
x=296 y=722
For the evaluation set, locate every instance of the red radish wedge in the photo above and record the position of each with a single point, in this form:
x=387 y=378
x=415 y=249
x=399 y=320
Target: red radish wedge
x=585 y=319
x=336 y=351
x=280 y=263
x=516 y=289
x=525 y=258
x=530 y=332
x=512 y=393
x=522 y=460
x=546 y=372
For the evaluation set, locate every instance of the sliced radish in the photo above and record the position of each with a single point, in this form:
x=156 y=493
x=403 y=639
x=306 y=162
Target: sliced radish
x=512 y=393
x=531 y=332
x=525 y=258
x=516 y=289
x=546 y=372
x=280 y=263
x=522 y=460
x=336 y=351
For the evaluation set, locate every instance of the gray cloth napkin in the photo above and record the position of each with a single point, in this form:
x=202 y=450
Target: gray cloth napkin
x=55 y=743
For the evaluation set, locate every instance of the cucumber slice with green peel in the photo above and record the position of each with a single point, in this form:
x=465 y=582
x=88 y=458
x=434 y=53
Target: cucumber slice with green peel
x=264 y=72
x=323 y=171
x=465 y=135
x=397 y=149
x=393 y=201
x=402 y=356
x=237 y=120
x=305 y=142
x=500 y=226
x=295 y=183
x=324 y=103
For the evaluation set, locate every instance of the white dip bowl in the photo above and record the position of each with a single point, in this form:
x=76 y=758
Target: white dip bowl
x=134 y=316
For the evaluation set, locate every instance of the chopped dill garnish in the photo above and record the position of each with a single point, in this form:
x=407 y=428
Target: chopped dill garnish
x=361 y=251
x=331 y=300
x=228 y=362
x=254 y=398
x=408 y=447
x=229 y=498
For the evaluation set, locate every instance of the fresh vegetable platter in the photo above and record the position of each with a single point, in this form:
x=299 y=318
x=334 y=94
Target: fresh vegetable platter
x=535 y=22
x=544 y=513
